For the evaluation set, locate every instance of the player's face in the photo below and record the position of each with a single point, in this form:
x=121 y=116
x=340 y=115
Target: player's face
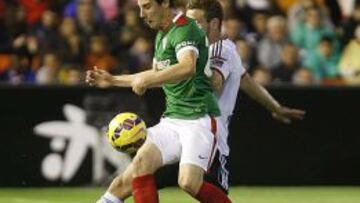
x=199 y=16
x=151 y=12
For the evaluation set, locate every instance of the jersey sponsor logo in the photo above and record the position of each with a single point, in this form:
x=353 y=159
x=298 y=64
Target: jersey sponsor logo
x=161 y=65
x=184 y=44
x=70 y=141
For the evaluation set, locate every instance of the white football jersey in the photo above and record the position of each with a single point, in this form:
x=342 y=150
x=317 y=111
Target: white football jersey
x=225 y=60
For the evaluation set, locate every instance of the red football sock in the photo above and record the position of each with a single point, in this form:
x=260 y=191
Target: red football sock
x=144 y=189
x=210 y=194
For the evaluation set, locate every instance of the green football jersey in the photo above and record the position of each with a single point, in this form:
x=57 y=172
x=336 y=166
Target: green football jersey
x=191 y=98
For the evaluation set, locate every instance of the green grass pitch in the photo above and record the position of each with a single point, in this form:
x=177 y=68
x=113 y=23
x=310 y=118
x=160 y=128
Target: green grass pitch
x=175 y=195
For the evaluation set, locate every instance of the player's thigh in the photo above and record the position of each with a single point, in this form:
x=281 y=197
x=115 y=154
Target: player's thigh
x=198 y=143
x=165 y=137
x=190 y=178
x=147 y=160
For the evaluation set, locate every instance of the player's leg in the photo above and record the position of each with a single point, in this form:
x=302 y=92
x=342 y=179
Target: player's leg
x=198 y=150
x=145 y=163
x=218 y=174
x=161 y=147
x=120 y=188
x=219 y=171
x=139 y=173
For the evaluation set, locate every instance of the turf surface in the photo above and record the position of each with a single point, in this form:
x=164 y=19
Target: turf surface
x=174 y=195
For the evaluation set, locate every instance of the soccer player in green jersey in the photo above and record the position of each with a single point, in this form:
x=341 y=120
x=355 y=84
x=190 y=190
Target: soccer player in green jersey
x=186 y=133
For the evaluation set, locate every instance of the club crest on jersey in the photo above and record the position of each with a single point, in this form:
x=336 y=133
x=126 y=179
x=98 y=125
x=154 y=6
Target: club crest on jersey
x=217 y=62
x=161 y=65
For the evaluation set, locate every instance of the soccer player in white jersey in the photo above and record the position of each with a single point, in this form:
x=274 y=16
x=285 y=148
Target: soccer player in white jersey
x=228 y=75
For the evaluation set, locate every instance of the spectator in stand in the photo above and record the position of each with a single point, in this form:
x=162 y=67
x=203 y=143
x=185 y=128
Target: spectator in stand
x=131 y=20
x=16 y=40
x=262 y=76
x=351 y=24
x=34 y=9
x=71 y=74
x=99 y=55
x=347 y=7
x=349 y=65
x=127 y=35
x=247 y=54
x=72 y=9
x=323 y=61
x=140 y=55
x=49 y=71
x=19 y=72
x=298 y=12
x=86 y=21
x=233 y=27
x=258 y=24
x=109 y=9
x=307 y=35
x=290 y=63
x=303 y=77
x=14 y=30
x=269 y=48
x=71 y=48
x=46 y=31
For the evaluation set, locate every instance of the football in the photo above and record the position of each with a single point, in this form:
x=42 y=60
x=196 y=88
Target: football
x=126 y=132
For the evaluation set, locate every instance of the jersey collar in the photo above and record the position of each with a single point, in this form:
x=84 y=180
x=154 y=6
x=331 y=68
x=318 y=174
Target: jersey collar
x=179 y=19
x=176 y=18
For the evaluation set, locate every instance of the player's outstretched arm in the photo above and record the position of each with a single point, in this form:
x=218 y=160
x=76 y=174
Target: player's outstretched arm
x=101 y=78
x=262 y=96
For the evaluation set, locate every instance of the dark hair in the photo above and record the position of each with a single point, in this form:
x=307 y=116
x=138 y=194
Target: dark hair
x=171 y=2
x=212 y=8
x=327 y=39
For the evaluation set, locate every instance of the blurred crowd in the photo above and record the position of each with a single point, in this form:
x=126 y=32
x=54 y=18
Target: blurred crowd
x=300 y=42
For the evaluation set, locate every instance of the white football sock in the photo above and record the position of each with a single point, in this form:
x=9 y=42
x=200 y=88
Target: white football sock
x=109 y=198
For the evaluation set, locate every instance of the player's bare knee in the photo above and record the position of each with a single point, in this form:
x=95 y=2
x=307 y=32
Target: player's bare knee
x=140 y=168
x=188 y=184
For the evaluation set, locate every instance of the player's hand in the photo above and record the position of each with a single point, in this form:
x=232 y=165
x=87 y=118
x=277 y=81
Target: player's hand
x=99 y=78
x=139 y=85
x=286 y=114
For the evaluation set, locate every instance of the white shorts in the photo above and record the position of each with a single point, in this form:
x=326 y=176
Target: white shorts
x=222 y=133
x=185 y=141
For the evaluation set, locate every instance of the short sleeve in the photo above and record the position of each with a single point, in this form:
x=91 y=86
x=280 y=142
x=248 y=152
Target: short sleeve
x=219 y=60
x=185 y=39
